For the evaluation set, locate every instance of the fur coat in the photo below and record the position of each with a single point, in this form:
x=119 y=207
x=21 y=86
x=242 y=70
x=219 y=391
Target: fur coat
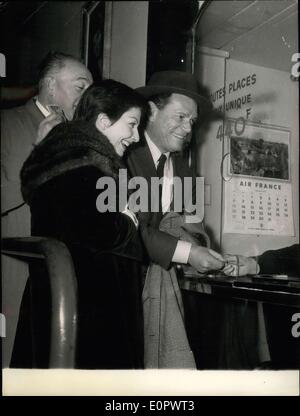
x=59 y=183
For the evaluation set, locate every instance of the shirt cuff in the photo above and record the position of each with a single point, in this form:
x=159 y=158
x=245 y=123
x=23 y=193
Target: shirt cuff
x=257 y=266
x=192 y=219
x=182 y=252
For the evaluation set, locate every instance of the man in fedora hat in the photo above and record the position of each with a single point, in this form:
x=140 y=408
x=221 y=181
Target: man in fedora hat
x=174 y=101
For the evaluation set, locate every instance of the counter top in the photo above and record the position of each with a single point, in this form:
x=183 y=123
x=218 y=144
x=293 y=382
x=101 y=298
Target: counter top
x=281 y=290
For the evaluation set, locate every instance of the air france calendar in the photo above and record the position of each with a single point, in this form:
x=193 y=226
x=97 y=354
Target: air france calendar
x=258 y=207
x=257 y=184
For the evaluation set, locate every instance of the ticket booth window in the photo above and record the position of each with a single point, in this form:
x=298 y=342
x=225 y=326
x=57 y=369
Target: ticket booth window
x=169 y=35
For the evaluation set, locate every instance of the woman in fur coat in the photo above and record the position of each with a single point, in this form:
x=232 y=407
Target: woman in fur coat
x=59 y=183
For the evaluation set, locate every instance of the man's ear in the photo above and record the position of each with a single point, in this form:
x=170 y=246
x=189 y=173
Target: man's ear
x=102 y=122
x=50 y=84
x=154 y=110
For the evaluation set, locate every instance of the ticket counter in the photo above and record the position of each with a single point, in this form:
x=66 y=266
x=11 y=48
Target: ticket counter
x=248 y=322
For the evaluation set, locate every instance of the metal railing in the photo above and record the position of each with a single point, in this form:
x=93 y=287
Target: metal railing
x=63 y=286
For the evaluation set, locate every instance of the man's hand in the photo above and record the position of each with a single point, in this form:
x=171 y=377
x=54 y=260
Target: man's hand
x=47 y=125
x=204 y=259
x=240 y=265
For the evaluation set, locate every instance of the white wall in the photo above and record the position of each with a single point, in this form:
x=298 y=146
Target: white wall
x=210 y=70
x=274 y=101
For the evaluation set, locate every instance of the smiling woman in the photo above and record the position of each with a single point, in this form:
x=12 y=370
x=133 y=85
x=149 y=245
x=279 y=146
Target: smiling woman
x=123 y=132
x=59 y=183
x=115 y=110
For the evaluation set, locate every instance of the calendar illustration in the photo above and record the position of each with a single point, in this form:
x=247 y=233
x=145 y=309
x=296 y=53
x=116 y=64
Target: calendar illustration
x=257 y=186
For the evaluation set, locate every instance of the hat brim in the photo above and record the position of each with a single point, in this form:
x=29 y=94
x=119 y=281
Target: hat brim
x=151 y=90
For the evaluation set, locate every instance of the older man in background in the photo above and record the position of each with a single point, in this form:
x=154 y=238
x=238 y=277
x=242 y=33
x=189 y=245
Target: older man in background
x=62 y=80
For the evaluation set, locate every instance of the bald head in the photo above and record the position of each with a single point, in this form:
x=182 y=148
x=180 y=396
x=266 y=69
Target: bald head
x=62 y=81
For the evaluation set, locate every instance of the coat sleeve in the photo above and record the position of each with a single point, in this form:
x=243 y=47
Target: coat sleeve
x=285 y=260
x=159 y=245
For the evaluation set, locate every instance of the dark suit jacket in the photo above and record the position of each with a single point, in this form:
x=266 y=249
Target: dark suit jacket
x=159 y=245
x=19 y=127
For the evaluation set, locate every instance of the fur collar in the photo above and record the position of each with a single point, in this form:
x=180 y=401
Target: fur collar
x=68 y=146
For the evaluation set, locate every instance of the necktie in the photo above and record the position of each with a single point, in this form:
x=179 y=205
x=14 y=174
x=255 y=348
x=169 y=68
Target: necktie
x=160 y=174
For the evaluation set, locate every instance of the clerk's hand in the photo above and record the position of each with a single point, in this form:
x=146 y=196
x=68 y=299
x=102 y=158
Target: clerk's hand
x=204 y=259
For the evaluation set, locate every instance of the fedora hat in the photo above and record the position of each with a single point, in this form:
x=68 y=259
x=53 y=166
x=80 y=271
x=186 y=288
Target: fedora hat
x=177 y=82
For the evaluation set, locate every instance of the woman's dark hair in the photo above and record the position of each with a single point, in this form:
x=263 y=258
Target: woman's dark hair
x=112 y=98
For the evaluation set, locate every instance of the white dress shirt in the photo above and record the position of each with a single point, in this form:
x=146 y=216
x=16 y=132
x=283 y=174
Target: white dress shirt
x=183 y=248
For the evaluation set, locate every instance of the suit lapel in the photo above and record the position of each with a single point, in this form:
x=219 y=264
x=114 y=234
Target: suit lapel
x=181 y=170
x=180 y=167
x=140 y=161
